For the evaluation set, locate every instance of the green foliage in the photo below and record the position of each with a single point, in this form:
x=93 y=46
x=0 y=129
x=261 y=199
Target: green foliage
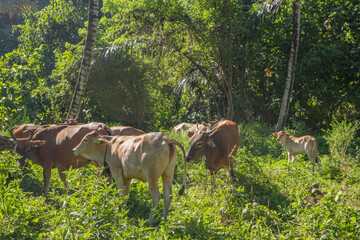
x=167 y=62
x=25 y=84
x=257 y=139
x=340 y=136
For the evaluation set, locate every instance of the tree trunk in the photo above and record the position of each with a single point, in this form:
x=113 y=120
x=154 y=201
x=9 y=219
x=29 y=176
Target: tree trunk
x=284 y=109
x=86 y=59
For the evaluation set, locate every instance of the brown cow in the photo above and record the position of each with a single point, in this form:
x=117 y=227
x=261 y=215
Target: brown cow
x=125 y=131
x=24 y=130
x=218 y=146
x=21 y=131
x=52 y=148
x=302 y=145
x=144 y=157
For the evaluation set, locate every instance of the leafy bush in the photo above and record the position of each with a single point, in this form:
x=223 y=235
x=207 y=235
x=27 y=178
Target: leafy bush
x=340 y=136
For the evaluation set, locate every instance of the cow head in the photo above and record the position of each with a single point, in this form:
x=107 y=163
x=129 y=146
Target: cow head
x=93 y=147
x=25 y=146
x=282 y=136
x=200 y=143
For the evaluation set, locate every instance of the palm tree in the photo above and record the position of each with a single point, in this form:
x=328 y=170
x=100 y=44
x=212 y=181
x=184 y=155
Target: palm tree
x=271 y=6
x=15 y=7
x=81 y=83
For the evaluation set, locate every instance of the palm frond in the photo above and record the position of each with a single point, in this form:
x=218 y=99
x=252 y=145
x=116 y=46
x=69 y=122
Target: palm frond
x=15 y=7
x=270 y=6
x=114 y=54
x=194 y=76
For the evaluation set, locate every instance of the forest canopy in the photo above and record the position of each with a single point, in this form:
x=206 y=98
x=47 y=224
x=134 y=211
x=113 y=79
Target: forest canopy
x=158 y=63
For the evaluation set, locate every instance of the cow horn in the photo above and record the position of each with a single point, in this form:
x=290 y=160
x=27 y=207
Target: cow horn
x=209 y=132
x=12 y=134
x=31 y=133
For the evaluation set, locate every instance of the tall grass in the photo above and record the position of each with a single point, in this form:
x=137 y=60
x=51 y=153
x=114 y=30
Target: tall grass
x=271 y=199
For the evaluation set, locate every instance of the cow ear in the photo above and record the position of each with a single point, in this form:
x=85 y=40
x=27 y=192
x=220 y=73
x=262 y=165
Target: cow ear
x=210 y=142
x=275 y=134
x=190 y=134
x=37 y=143
x=102 y=141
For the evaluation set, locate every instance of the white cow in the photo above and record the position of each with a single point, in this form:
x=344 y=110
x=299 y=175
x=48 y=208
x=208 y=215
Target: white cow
x=144 y=157
x=183 y=128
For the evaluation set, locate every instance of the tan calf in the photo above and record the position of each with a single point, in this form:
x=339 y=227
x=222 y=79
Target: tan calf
x=302 y=145
x=144 y=157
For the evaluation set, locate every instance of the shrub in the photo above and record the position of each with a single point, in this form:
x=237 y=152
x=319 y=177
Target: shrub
x=340 y=137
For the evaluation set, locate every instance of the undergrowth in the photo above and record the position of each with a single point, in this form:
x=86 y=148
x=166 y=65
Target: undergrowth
x=271 y=199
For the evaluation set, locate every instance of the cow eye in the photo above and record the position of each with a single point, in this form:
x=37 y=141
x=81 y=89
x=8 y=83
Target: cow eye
x=85 y=140
x=199 y=144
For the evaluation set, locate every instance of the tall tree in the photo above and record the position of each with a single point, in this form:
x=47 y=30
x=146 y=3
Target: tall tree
x=82 y=80
x=284 y=109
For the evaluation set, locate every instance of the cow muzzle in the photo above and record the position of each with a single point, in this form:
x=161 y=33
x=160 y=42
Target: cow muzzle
x=23 y=163
x=189 y=158
x=75 y=151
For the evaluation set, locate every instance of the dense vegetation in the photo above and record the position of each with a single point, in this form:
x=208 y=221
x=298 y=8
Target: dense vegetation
x=172 y=61
x=158 y=63
x=270 y=199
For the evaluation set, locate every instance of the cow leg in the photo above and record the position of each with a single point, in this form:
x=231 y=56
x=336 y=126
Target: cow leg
x=312 y=160
x=289 y=157
x=121 y=184
x=167 y=188
x=317 y=160
x=231 y=171
x=167 y=178
x=212 y=181
x=62 y=177
x=125 y=190
x=47 y=176
x=155 y=197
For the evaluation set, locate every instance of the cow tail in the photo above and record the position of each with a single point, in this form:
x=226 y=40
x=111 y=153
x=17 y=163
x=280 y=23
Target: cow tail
x=170 y=140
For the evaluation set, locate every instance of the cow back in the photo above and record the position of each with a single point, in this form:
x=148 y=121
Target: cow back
x=23 y=130
x=226 y=138
x=142 y=155
x=125 y=131
x=60 y=140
